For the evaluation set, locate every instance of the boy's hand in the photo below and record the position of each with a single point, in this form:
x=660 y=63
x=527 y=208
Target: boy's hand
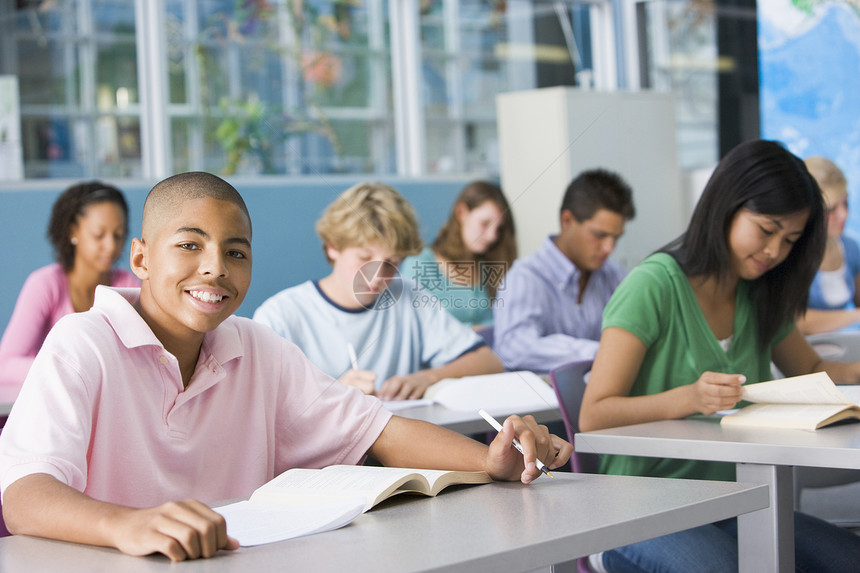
x=180 y=530
x=504 y=462
x=364 y=380
x=714 y=391
x=409 y=387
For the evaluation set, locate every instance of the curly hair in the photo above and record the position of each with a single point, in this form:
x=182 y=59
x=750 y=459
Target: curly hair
x=71 y=205
x=367 y=213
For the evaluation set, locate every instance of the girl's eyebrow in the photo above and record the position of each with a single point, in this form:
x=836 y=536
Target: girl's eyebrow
x=774 y=220
x=779 y=224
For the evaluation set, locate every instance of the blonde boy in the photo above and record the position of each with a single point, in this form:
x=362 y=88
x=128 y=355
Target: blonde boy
x=161 y=394
x=404 y=341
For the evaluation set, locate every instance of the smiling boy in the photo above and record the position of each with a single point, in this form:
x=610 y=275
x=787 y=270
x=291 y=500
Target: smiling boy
x=161 y=394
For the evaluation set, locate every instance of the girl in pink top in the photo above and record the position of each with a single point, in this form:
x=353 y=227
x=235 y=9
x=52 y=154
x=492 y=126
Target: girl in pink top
x=88 y=229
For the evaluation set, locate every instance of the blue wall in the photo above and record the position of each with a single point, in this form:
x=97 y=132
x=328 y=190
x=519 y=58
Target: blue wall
x=286 y=248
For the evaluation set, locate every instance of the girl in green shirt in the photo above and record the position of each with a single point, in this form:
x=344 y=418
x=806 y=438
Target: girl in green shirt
x=693 y=323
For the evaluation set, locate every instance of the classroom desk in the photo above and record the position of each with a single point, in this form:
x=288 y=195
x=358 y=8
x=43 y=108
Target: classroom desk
x=470 y=422
x=762 y=455
x=493 y=527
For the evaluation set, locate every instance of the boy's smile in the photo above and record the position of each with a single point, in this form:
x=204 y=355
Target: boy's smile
x=196 y=268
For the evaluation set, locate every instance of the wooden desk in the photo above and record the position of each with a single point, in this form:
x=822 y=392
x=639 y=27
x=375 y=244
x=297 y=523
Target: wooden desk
x=494 y=527
x=469 y=422
x=762 y=455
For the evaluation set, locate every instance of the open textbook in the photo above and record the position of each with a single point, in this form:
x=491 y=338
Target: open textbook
x=305 y=501
x=504 y=393
x=804 y=402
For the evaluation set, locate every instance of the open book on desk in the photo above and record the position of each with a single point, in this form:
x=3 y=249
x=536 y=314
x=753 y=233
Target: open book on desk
x=804 y=402
x=504 y=393
x=304 y=501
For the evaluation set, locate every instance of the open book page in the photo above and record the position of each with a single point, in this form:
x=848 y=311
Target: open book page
x=255 y=523
x=804 y=402
x=373 y=483
x=799 y=416
x=816 y=388
x=503 y=393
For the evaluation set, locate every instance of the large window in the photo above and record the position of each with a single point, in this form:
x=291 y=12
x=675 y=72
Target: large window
x=145 y=88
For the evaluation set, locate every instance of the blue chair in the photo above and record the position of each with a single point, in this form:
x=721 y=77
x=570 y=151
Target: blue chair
x=568 y=381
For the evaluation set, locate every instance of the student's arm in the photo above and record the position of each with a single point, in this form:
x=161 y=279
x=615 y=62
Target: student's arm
x=815 y=321
x=410 y=386
x=795 y=356
x=520 y=323
x=24 y=333
x=40 y=505
x=416 y=444
x=607 y=402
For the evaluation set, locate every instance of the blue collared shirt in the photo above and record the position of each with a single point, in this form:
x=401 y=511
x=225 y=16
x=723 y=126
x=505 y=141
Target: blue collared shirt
x=539 y=322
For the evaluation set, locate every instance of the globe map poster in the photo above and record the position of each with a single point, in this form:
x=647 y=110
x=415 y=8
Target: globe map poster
x=809 y=58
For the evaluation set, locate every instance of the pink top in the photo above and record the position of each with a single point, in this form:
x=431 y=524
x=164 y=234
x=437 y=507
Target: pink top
x=103 y=410
x=44 y=299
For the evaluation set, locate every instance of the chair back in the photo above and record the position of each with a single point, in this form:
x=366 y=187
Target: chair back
x=843 y=345
x=568 y=381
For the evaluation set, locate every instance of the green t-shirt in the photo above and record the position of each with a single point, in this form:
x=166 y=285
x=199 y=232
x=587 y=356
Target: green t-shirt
x=657 y=304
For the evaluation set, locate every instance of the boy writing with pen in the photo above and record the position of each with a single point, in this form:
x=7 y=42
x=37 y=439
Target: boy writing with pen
x=405 y=340
x=160 y=394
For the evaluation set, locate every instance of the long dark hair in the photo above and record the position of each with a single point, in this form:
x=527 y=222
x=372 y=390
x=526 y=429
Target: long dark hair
x=767 y=179
x=449 y=240
x=70 y=205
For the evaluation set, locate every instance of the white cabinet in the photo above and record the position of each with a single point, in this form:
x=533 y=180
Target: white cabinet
x=548 y=136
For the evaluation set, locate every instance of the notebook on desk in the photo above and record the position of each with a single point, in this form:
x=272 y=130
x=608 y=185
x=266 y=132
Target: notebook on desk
x=519 y=391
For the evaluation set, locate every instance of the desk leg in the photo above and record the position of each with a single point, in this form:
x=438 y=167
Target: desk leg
x=766 y=537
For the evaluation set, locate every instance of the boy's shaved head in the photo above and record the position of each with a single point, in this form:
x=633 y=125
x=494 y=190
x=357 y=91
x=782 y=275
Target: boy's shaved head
x=165 y=198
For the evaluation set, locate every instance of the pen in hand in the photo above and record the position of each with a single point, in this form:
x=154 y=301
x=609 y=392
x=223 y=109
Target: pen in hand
x=352 y=357
x=498 y=427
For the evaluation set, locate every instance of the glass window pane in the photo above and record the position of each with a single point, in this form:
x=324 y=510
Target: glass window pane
x=473 y=50
x=48 y=146
x=48 y=74
x=680 y=55
x=280 y=87
x=116 y=75
x=117 y=143
x=76 y=62
x=180 y=133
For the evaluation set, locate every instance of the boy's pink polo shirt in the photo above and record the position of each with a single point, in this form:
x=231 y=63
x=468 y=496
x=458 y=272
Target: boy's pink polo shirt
x=103 y=410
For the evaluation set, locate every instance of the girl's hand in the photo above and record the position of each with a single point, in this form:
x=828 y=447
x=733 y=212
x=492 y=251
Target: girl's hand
x=714 y=391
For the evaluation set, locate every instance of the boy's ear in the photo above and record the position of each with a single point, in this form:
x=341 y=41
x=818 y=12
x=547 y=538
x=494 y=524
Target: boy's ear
x=139 y=261
x=331 y=253
x=566 y=218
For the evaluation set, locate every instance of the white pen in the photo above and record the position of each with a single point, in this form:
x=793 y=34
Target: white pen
x=352 y=357
x=495 y=424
